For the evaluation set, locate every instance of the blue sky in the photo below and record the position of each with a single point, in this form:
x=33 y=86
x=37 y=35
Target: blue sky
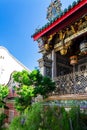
x=18 y=21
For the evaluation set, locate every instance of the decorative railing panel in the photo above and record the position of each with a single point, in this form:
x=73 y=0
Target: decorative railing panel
x=73 y=83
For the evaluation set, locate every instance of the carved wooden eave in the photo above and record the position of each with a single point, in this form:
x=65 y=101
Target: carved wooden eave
x=66 y=35
x=69 y=39
x=68 y=18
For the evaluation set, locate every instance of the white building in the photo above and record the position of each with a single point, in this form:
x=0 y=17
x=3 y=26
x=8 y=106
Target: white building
x=8 y=64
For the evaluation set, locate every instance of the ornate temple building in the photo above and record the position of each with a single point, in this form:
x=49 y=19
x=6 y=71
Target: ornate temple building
x=63 y=44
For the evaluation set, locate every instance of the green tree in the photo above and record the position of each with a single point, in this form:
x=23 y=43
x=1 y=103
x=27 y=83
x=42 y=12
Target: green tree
x=16 y=124
x=42 y=85
x=31 y=84
x=4 y=91
x=22 y=77
x=24 y=98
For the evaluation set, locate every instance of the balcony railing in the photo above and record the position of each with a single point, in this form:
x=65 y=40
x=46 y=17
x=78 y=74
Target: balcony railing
x=73 y=83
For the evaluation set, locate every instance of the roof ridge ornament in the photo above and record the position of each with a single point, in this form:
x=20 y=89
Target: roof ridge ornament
x=53 y=9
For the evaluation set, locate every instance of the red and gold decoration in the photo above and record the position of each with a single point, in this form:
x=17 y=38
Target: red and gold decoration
x=65 y=47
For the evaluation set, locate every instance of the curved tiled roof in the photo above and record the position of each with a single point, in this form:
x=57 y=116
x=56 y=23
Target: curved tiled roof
x=57 y=17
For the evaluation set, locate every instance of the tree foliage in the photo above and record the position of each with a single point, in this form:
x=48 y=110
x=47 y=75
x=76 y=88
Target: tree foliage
x=24 y=99
x=4 y=91
x=16 y=124
x=31 y=84
x=42 y=85
x=2 y=117
x=21 y=77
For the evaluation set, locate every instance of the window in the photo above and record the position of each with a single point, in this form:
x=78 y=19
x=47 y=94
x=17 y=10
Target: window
x=1 y=57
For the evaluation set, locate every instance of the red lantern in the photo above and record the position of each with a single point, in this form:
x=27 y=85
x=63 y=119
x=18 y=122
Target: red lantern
x=73 y=60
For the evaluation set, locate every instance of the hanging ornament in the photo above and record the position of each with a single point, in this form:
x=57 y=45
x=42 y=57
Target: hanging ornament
x=54 y=9
x=73 y=60
x=63 y=51
x=83 y=47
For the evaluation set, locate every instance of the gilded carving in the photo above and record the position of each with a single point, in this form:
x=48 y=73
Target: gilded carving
x=73 y=29
x=61 y=35
x=67 y=32
x=85 y=22
x=50 y=38
x=47 y=47
x=68 y=44
x=63 y=51
x=80 y=24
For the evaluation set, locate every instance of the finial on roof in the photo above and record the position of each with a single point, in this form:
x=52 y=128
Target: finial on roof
x=53 y=9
